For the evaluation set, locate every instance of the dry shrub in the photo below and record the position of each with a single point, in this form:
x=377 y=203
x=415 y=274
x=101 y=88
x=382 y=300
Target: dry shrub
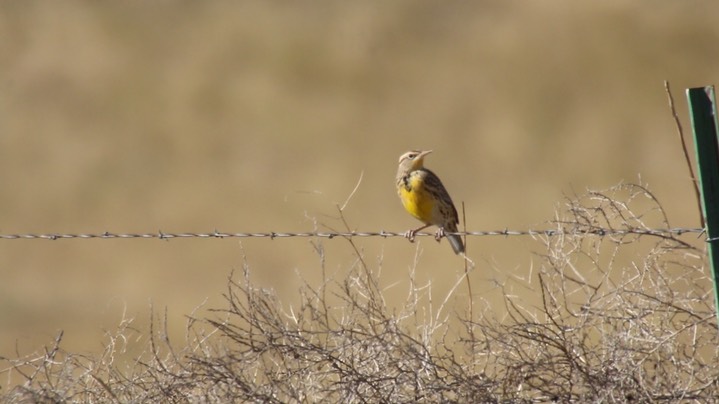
x=626 y=315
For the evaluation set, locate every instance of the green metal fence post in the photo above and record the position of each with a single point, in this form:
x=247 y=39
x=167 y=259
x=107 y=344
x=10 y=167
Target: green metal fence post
x=702 y=108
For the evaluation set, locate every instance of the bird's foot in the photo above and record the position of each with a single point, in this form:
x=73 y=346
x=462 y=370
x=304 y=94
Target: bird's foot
x=439 y=234
x=409 y=235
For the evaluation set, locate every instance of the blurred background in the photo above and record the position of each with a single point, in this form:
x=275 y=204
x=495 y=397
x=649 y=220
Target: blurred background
x=262 y=116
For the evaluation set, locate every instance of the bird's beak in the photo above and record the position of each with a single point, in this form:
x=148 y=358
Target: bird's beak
x=424 y=153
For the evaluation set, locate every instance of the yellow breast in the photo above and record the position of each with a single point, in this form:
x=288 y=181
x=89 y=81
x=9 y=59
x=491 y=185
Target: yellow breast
x=416 y=200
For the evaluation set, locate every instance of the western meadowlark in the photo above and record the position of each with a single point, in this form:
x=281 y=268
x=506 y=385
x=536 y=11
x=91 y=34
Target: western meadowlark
x=425 y=198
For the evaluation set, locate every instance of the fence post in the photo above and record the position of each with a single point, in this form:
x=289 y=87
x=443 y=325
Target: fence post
x=702 y=108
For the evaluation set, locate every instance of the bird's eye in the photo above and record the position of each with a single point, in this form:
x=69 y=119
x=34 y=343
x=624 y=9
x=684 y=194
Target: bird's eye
x=413 y=155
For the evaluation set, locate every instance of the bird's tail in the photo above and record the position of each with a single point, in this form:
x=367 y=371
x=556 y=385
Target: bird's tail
x=455 y=240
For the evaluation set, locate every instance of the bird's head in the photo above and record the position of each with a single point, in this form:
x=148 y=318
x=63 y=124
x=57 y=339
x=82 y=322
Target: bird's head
x=412 y=160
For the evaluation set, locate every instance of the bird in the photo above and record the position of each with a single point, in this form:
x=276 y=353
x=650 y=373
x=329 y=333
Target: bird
x=424 y=197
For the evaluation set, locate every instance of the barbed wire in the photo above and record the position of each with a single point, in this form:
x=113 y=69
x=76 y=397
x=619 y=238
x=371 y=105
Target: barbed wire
x=350 y=234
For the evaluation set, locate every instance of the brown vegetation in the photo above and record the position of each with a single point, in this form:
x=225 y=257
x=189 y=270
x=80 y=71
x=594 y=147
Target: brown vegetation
x=605 y=331
x=141 y=117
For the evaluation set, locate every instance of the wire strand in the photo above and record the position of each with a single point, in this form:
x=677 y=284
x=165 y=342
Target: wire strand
x=331 y=234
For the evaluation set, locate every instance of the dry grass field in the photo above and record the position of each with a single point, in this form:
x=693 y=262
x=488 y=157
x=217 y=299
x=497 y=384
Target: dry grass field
x=262 y=116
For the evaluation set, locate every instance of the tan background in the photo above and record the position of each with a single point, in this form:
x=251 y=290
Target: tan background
x=261 y=116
